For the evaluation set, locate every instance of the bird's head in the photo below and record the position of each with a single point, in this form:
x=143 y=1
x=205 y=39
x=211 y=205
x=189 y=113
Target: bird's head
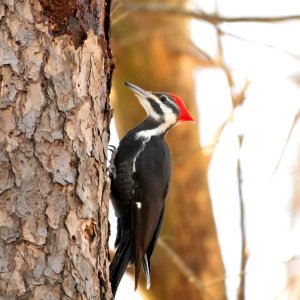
x=162 y=107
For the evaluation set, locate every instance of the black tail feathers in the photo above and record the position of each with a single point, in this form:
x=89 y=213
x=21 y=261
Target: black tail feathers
x=119 y=264
x=124 y=256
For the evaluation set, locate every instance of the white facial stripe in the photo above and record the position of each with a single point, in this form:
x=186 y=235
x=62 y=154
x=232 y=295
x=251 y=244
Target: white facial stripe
x=166 y=110
x=170 y=118
x=169 y=115
x=147 y=106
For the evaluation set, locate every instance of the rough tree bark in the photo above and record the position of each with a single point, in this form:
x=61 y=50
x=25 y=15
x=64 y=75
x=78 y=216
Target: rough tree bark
x=153 y=51
x=54 y=119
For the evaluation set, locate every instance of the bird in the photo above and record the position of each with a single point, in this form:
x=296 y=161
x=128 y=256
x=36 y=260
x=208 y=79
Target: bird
x=140 y=174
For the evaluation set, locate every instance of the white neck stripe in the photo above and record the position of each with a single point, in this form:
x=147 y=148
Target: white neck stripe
x=160 y=129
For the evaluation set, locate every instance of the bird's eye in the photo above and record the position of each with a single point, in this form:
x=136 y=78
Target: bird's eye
x=163 y=98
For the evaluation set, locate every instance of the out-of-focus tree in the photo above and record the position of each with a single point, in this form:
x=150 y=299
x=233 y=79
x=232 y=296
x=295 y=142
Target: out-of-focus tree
x=155 y=52
x=54 y=127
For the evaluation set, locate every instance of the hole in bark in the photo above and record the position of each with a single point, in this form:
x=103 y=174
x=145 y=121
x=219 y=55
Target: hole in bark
x=70 y=17
x=89 y=232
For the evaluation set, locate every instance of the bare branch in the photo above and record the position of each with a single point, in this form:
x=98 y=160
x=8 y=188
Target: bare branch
x=190 y=152
x=244 y=249
x=199 y=54
x=237 y=100
x=186 y=270
x=239 y=37
x=157 y=7
x=296 y=119
x=291 y=259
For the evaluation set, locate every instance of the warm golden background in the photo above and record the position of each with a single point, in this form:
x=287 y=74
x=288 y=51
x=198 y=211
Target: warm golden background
x=232 y=223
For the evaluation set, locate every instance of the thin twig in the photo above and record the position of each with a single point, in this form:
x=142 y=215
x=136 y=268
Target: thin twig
x=239 y=37
x=157 y=7
x=237 y=100
x=291 y=259
x=244 y=251
x=186 y=270
x=199 y=54
x=296 y=119
x=190 y=152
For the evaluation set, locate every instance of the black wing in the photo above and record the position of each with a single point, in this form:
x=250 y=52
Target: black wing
x=139 y=200
x=147 y=255
x=149 y=198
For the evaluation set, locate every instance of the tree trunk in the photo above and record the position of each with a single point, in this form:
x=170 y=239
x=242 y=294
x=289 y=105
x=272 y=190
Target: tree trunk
x=152 y=51
x=54 y=130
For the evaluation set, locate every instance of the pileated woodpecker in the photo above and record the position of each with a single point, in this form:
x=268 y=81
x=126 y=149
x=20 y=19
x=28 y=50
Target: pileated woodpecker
x=140 y=173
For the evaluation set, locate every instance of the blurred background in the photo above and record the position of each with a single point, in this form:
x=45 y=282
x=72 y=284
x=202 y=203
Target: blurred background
x=232 y=224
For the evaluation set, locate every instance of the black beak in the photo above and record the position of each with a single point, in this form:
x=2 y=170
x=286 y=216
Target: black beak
x=137 y=90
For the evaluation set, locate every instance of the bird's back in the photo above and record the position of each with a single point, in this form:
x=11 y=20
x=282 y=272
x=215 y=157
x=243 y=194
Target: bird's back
x=139 y=189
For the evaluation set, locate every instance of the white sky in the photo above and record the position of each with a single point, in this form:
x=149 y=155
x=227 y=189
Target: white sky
x=265 y=119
